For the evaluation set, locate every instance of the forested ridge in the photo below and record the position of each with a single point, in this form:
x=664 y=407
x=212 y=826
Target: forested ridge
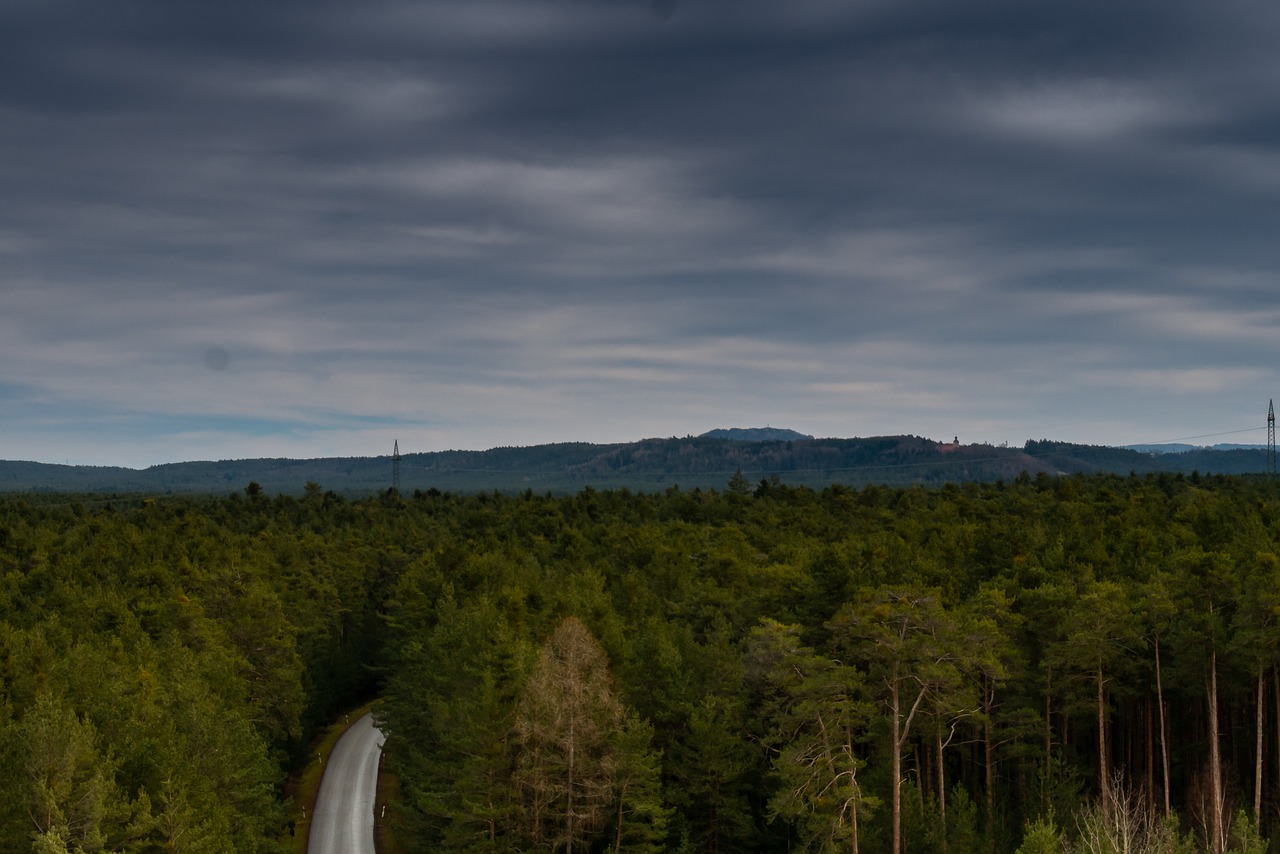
x=1017 y=666
x=648 y=465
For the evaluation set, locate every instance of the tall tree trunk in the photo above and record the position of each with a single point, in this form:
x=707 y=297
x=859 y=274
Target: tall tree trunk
x=1149 y=739
x=896 y=846
x=1064 y=723
x=849 y=752
x=538 y=781
x=853 y=822
x=942 y=791
x=1216 y=829
x=491 y=820
x=1103 y=782
x=617 y=835
x=570 y=786
x=989 y=757
x=1048 y=736
x=901 y=728
x=1275 y=695
x=1164 y=742
x=1257 y=768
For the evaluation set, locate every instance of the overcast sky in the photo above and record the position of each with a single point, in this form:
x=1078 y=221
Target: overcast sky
x=284 y=228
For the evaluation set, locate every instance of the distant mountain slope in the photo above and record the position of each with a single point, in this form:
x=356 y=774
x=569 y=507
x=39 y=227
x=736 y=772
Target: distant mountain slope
x=755 y=434
x=648 y=465
x=1181 y=448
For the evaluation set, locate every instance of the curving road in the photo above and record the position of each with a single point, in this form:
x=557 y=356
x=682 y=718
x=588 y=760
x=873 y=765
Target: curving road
x=343 y=820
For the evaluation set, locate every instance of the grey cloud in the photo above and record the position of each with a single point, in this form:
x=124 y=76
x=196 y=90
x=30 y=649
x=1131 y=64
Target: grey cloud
x=842 y=208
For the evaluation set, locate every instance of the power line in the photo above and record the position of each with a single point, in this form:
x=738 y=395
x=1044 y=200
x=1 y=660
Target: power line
x=1189 y=438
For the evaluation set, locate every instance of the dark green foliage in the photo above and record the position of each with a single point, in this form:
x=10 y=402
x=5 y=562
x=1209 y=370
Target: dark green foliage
x=761 y=635
x=773 y=654
x=154 y=667
x=641 y=816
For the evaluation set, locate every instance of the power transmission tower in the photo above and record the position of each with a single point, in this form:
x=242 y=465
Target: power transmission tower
x=395 y=468
x=1271 y=438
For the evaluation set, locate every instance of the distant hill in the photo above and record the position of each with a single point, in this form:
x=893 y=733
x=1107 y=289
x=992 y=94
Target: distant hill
x=755 y=434
x=1178 y=448
x=706 y=462
x=1067 y=458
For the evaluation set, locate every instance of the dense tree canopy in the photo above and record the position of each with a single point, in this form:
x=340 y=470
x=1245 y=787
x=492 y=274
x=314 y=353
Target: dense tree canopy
x=770 y=668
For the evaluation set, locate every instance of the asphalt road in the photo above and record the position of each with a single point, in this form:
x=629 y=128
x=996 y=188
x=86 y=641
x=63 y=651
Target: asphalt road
x=343 y=820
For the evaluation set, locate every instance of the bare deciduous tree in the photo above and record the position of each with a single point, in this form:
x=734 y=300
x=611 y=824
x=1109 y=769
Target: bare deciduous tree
x=565 y=717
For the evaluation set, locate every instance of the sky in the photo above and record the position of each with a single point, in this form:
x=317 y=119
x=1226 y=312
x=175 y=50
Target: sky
x=277 y=228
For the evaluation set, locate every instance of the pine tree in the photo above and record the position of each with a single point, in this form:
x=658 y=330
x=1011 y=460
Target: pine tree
x=908 y=640
x=641 y=816
x=819 y=715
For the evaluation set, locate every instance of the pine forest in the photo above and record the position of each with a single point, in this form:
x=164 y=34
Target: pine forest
x=1044 y=664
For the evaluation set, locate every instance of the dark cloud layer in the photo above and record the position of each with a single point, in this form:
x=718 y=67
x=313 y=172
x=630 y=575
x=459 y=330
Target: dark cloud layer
x=296 y=228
